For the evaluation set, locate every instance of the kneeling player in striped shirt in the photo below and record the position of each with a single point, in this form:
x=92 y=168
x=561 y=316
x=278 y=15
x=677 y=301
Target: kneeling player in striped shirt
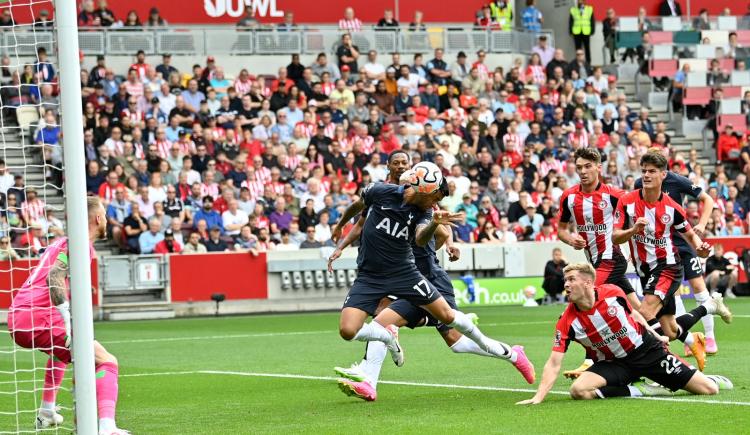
x=622 y=344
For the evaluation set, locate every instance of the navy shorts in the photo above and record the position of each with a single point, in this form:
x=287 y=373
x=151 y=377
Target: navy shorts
x=416 y=316
x=369 y=289
x=691 y=264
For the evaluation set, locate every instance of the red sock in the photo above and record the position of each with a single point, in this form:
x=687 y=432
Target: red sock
x=106 y=389
x=53 y=377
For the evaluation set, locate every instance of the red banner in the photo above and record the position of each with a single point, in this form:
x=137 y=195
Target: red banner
x=195 y=277
x=330 y=11
x=13 y=275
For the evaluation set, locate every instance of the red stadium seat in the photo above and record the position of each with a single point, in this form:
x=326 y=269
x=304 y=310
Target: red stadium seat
x=732 y=92
x=697 y=96
x=739 y=122
x=743 y=37
x=727 y=64
x=661 y=37
x=663 y=67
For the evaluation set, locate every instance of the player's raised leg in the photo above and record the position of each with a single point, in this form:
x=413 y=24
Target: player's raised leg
x=107 y=390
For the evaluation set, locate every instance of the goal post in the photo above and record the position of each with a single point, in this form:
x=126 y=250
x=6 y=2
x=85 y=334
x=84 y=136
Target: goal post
x=75 y=205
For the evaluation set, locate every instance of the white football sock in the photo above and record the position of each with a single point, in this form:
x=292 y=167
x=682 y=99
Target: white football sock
x=465 y=345
x=708 y=321
x=689 y=339
x=680 y=307
x=373 y=362
x=107 y=424
x=48 y=406
x=464 y=325
x=373 y=331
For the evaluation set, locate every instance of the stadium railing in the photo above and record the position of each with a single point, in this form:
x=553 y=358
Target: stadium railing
x=201 y=41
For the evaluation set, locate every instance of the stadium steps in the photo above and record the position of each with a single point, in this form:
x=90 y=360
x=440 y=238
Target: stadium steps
x=137 y=311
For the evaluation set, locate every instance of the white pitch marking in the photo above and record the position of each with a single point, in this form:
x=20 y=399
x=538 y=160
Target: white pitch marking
x=416 y=384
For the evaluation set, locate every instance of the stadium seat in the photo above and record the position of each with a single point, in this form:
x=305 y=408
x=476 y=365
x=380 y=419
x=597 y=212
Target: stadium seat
x=696 y=65
x=661 y=37
x=743 y=37
x=662 y=52
x=697 y=78
x=628 y=39
x=730 y=106
x=727 y=64
x=740 y=78
x=732 y=92
x=706 y=51
x=739 y=122
x=671 y=24
x=697 y=96
x=688 y=37
x=27 y=115
x=628 y=24
x=663 y=68
x=726 y=23
x=716 y=37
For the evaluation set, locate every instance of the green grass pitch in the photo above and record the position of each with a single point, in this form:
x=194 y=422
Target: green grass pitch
x=273 y=374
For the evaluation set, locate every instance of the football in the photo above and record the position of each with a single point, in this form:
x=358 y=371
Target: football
x=424 y=177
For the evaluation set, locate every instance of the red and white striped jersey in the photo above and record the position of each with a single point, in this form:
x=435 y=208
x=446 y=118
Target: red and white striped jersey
x=308 y=130
x=655 y=246
x=547 y=165
x=163 y=147
x=537 y=74
x=513 y=143
x=328 y=88
x=354 y=25
x=593 y=216
x=329 y=130
x=34 y=210
x=135 y=115
x=263 y=175
x=293 y=161
x=211 y=190
x=607 y=331
x=579 y=140
x=187 y=147
x=254 y=186
x=277 y=187
x=366 y=143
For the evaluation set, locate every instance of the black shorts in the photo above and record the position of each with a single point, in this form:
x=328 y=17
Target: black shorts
x=369 y=289
x=416 y=316
x=655 y=363
x=663 y=281
x=691 y=264
x=613 y=272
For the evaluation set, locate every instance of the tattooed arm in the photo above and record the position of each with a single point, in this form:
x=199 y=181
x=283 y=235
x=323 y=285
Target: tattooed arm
x=56 y=282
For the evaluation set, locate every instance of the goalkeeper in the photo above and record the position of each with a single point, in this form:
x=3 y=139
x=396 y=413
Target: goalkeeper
x=39 y=318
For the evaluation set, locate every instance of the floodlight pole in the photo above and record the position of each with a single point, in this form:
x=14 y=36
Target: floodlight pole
x=77 y=216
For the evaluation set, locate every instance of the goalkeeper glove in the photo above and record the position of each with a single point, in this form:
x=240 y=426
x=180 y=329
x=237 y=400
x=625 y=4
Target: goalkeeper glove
x=64 y=310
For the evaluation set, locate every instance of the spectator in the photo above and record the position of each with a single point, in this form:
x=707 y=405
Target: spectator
x=209 y=215
x=702 y=21
x=6 y=250
x=168 y=245
x=670 y=8
x=215 y=243
x=347 y=53
x=286 y=243
x=721 y=274
x=728 y=145
x=234 y=219
x=350 y=23
x=387 y=20
x=33 y=208
x=531 y=17
x=118 y=210
x=288 y=25
x=134 y=225
x=502 y=12
x=553 y=283
x=248 y=21
x=147 y=240
x=609 y=31
x=194 y=245
x=531 y=222
x=310 y=242
x=132 y=21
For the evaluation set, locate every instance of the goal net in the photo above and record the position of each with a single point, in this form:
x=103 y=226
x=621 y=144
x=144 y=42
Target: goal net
x=32 y=211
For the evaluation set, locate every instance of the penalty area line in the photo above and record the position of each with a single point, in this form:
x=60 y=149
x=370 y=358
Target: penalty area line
x=416 y=384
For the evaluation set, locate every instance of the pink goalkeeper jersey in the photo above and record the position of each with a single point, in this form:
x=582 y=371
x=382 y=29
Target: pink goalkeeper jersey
x=34 y=293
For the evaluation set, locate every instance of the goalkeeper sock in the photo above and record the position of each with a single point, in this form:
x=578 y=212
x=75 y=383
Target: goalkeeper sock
x=708 y=321
x=373 y=331
x=373 y=362
x=106 y=393
x=53 y=377
x=464 y=324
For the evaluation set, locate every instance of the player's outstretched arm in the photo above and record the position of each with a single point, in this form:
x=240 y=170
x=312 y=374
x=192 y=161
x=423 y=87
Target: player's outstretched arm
x=572 y=239
x=708 y=206
x=354 y=209
x=549 y=376
x=348 y=240
x=440 y=217
x=702 y=248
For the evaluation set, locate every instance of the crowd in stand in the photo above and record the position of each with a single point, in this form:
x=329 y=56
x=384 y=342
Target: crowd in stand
x=211 y=160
